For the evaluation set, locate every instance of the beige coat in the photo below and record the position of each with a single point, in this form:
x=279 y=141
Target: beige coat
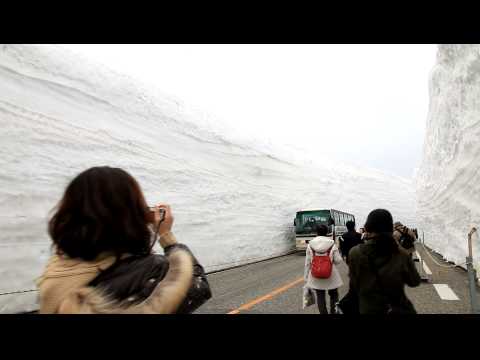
x=321 y=244
x=63 y=286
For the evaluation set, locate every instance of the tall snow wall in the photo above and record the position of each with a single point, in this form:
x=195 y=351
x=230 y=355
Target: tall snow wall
x=233 y=202
x=448 y=180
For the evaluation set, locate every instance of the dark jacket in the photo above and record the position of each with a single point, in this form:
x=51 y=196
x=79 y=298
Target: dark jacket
x=394 y=272
x=350 y=239
x=132 y=280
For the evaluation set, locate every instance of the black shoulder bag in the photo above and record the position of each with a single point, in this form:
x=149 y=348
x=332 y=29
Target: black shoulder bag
x=133 y=279
x=400 y=307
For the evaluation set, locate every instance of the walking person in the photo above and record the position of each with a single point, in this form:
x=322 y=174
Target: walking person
x=350 y=239
x=379 y=271
x=103 y=260
x=324 y=249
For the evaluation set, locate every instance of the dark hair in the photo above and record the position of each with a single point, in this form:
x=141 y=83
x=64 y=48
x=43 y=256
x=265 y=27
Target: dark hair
x=380 y=222
x=103 y=210
x=322 y=230
x=350 y=225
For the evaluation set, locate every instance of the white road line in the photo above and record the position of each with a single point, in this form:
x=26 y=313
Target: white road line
x=426 y=269
x=424 y=264
x=445 y=292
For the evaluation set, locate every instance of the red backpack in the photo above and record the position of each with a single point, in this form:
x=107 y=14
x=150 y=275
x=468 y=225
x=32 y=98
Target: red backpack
x=321 y=265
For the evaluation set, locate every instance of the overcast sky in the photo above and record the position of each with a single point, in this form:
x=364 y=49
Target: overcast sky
x=363 y=104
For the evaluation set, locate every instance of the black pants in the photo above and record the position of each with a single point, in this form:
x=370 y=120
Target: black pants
x=321 y=301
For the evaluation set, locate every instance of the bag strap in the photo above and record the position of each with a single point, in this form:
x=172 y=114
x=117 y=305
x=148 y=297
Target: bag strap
x=377 y=277
x=325 y=253
x=328 y=252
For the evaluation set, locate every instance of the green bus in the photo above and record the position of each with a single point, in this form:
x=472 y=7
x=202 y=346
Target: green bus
x=306 y=221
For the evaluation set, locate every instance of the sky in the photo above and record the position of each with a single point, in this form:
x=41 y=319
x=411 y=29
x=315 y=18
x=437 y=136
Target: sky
x=365 y=105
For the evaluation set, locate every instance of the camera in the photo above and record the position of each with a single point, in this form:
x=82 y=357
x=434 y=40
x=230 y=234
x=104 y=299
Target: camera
x=151 y=216
x=407 y=241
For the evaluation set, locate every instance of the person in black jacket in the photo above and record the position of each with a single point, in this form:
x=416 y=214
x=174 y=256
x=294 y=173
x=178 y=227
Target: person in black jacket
x=379 y=271
x=104 y=260
x=350 y=239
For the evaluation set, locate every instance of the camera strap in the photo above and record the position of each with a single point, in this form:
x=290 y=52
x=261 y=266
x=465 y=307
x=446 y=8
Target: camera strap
x=155 y=237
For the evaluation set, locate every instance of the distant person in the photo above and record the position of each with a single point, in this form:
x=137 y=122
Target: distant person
x=362 y=232
x=350 y=239
x=379 y=271
x=311 y=223
x=323 y=246
x=405 y=237
x=103 y=263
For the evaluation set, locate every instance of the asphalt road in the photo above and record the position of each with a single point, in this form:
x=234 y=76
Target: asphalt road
x=275 y=287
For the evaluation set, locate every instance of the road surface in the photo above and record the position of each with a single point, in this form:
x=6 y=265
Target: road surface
x=275 y=287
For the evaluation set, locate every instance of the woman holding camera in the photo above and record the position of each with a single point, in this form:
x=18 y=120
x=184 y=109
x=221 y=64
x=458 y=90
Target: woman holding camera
x=103 y=263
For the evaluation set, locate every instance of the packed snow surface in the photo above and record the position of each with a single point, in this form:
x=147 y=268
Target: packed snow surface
x=234 y=200
x=448 y=181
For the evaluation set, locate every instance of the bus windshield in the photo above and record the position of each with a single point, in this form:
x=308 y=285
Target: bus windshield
x=307 y=220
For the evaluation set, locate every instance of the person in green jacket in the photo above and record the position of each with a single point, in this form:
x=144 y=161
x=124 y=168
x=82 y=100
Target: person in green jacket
x=379 y=271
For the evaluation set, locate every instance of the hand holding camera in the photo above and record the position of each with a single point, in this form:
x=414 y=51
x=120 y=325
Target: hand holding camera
x=162 y=218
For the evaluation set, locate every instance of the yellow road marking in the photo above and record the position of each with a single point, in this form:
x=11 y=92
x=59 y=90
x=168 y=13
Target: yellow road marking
x=266 y=297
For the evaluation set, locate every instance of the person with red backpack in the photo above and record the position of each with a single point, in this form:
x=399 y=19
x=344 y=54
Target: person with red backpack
x=321 y=274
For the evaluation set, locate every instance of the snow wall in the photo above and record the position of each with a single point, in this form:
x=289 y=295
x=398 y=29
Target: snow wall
x=234 y=202
x=448 y=180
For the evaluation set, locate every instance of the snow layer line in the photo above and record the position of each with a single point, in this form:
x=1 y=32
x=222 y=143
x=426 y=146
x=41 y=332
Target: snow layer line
x=233 y=201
